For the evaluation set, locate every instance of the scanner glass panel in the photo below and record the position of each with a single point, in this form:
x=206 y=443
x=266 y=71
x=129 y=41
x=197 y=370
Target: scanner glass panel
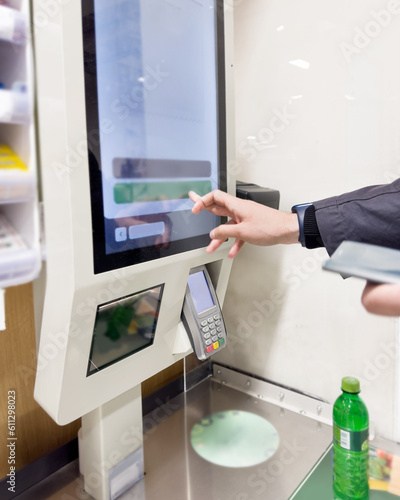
x=155 y=125
x=124 y=327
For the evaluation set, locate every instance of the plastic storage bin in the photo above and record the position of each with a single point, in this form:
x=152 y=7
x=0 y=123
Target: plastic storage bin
x=20 y=250
x=14 y=107
x=18 y=263
x=13 y=25
x=17 y=182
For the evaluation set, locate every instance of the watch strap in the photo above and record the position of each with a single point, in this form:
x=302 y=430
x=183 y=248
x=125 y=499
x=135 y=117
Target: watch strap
x=300 y=210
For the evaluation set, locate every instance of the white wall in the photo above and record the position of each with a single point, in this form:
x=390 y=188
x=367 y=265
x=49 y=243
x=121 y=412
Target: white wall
x=326 y=124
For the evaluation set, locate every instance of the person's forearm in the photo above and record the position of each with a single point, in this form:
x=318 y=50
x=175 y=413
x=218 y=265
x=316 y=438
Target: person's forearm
x=290 y=229
x=382 y=299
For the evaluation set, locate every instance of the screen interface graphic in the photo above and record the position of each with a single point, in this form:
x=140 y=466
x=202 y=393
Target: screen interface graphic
x=124 y=327
x=200 y=292
x=152 y=84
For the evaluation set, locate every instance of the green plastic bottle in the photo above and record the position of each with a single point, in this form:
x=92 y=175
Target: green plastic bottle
x=350 y=444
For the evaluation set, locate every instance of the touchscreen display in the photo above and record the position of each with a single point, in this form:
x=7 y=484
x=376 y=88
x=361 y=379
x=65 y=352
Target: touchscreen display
x=123 y=327
x=200 y=292
x=155 y=123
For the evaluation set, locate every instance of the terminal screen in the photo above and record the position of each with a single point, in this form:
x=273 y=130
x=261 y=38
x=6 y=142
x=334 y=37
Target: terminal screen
x=200 y=292
x=154 y=86
x=124 y=327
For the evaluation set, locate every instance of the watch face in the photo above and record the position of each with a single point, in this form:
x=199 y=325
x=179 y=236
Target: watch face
x=309 y=235
x=300 y=210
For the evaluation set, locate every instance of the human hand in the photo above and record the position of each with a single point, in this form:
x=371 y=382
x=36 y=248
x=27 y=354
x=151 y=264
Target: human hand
x=382 y=299
x=250 y=222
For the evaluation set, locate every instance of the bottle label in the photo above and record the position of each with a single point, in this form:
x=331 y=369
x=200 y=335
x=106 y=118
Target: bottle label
x=350 y=440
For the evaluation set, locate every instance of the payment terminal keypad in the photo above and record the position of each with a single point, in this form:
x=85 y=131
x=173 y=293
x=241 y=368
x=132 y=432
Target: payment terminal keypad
x=212 y=333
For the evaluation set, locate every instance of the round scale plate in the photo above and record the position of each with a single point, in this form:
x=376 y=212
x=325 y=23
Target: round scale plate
x=234 y=438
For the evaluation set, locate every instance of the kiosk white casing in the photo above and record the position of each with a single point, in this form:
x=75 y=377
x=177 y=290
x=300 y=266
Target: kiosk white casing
x=109 y=401
x=73 y=292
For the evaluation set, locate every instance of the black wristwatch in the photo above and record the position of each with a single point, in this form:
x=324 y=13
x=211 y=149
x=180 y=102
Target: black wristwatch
x=300 y=210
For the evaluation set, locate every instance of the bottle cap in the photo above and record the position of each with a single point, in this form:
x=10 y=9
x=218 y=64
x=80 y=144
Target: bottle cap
x=351 y=385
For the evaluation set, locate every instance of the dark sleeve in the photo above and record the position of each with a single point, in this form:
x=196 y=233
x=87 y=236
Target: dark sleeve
x=368 y=215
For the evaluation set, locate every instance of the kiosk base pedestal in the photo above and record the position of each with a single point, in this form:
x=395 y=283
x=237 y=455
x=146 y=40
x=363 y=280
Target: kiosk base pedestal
x=111 y=446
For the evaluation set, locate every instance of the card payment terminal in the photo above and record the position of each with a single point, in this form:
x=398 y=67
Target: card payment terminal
x=202 y=316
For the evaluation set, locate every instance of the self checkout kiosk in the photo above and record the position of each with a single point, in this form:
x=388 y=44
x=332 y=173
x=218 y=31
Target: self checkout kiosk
x=135 y=110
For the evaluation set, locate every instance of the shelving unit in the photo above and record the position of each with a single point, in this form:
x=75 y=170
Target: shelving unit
x=20 y=255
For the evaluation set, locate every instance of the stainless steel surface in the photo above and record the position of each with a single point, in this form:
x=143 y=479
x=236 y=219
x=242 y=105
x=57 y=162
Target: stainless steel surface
x=173 y=470
x=295 y=401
